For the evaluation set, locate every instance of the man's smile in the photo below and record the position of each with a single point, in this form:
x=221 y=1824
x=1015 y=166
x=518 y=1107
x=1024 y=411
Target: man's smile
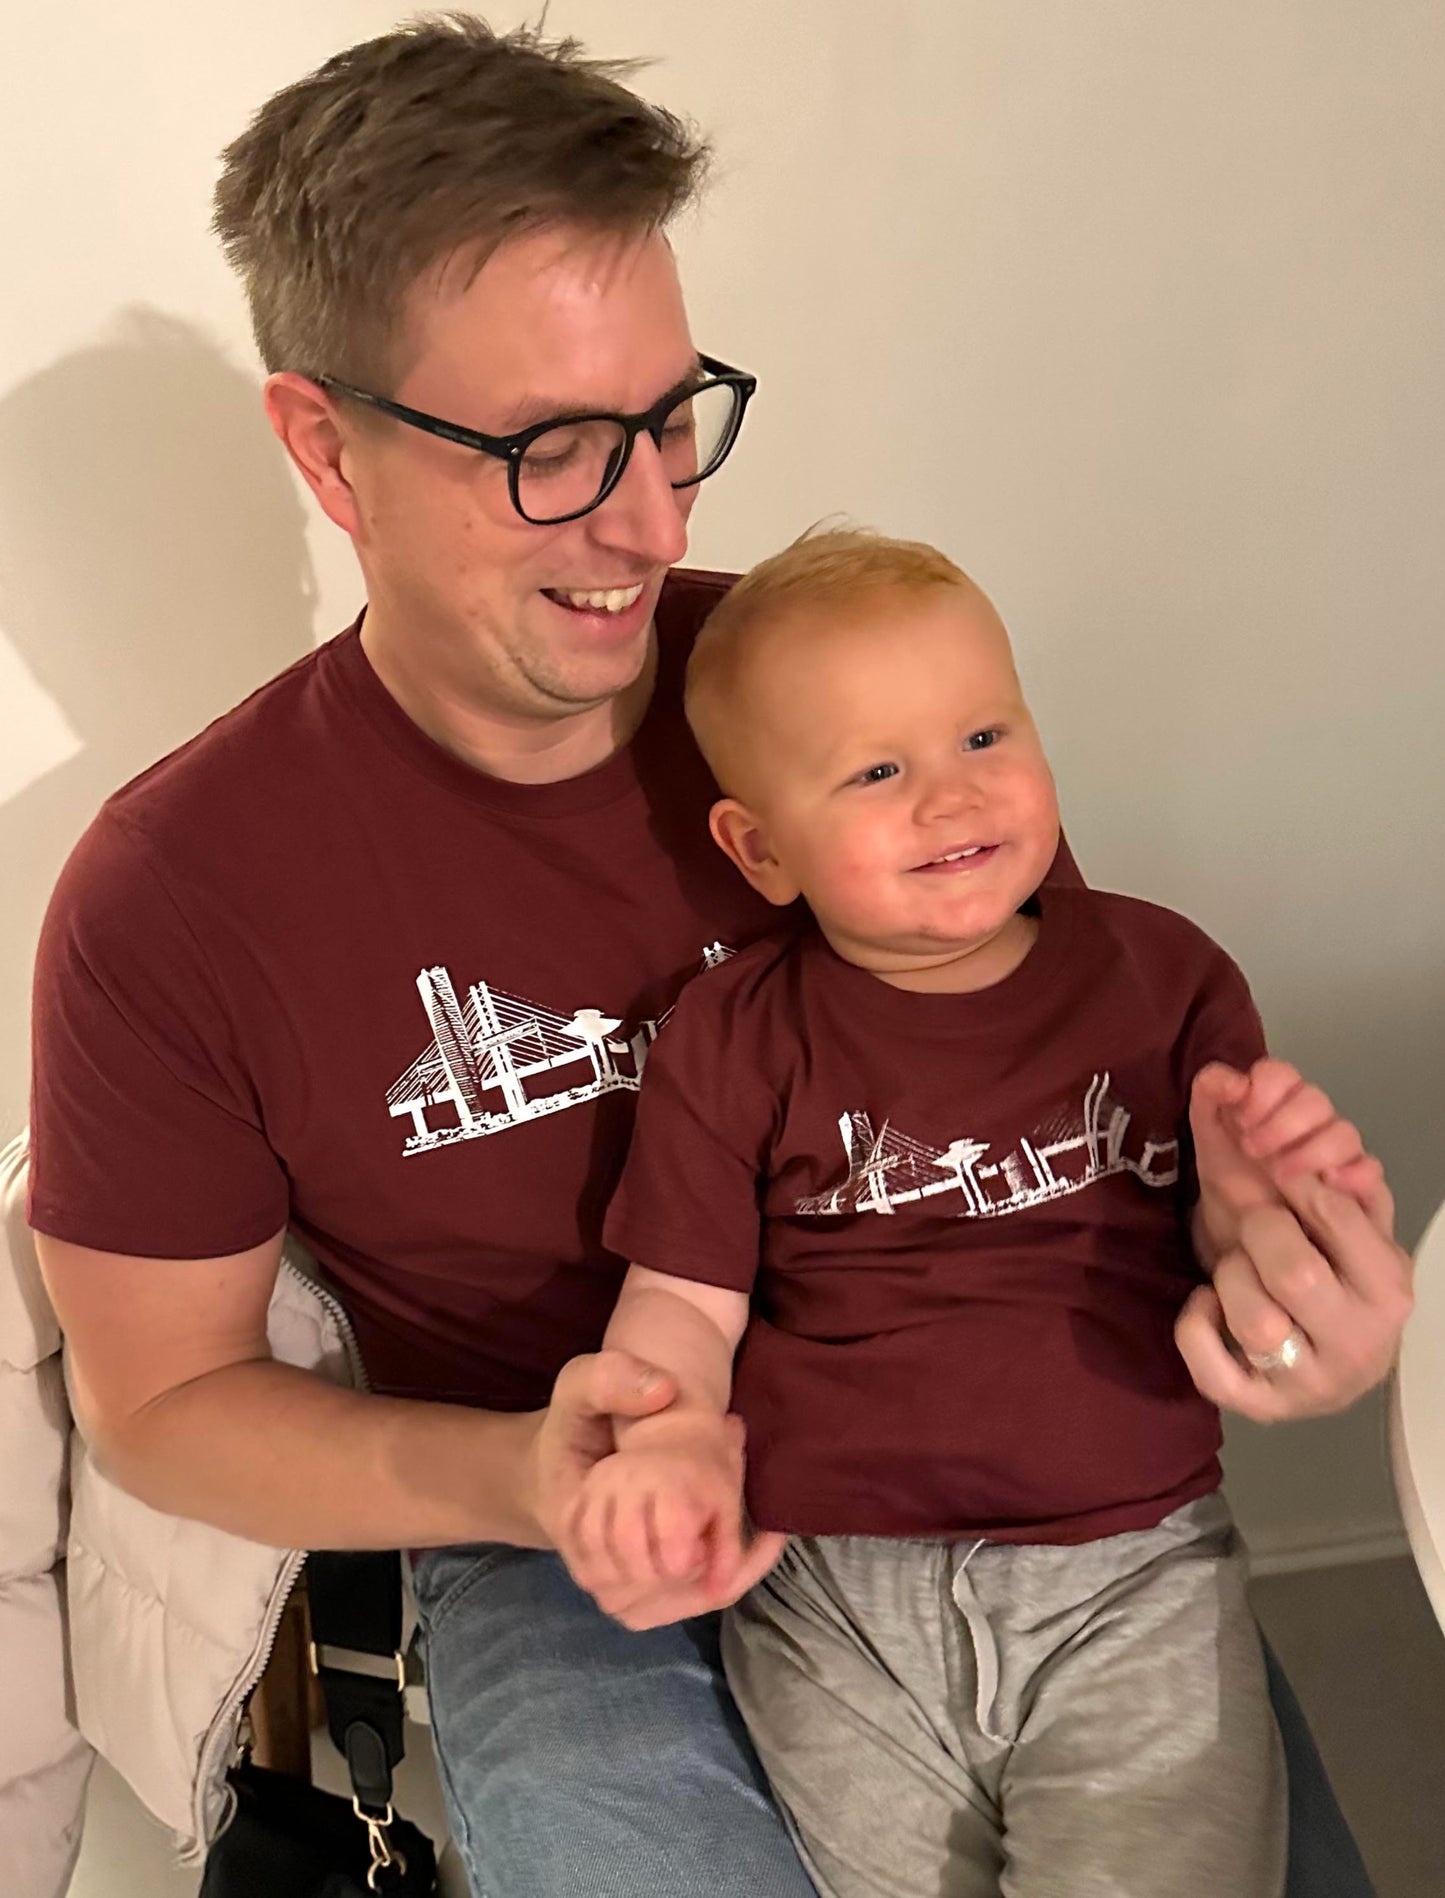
x=595 y=599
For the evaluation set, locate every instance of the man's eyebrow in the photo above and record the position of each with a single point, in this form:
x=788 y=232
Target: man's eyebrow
x=530 y=409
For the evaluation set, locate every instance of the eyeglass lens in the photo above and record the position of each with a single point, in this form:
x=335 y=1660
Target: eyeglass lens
x=565 y=469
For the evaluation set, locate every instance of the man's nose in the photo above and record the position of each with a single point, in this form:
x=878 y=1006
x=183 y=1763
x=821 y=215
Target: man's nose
x=644 y=516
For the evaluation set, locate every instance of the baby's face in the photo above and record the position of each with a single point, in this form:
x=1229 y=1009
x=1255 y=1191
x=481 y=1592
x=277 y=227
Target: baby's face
x=896 y=775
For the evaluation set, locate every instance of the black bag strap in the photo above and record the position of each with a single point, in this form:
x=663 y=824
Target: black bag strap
x=355 y=1603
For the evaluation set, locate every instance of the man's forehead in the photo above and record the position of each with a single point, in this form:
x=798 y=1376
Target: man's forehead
x=554 y=323
x=537 y=406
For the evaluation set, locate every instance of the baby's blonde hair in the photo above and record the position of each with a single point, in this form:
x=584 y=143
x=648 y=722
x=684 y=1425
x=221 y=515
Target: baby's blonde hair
x=835 y=567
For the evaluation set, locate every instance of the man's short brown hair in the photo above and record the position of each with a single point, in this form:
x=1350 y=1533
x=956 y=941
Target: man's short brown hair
x=438 y=139
x=833 y=570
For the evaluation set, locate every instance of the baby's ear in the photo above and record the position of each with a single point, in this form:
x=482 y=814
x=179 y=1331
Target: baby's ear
x=739 y=834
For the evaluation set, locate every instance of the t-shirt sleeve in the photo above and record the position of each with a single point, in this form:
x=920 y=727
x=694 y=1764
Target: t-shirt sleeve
x=1223 y=1023
x=145 y=1133
x=689 y=1199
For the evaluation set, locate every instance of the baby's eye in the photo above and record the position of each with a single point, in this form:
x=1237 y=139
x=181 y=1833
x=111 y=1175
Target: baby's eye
x=876 y=774
x=981 y=741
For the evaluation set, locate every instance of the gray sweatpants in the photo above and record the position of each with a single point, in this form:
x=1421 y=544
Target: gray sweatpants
x=973 y=1719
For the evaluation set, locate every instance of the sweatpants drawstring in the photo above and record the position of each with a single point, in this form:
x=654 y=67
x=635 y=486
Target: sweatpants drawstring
x=985 y=1648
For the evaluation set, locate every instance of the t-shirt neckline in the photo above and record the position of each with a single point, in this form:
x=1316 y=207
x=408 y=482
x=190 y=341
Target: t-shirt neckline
x=605 y=784
x=995 y=1012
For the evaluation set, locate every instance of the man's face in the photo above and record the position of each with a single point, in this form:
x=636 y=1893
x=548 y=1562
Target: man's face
x=485 y=606
x=900 y=782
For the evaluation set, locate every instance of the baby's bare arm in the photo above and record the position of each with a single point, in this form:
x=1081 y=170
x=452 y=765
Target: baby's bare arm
x=689 y=1329
x=657 y=1534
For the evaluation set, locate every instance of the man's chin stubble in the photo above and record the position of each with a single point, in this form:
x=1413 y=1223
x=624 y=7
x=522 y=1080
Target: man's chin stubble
x=563 y=698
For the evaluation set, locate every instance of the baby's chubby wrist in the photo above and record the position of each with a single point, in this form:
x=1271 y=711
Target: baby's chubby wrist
x=682 y=1426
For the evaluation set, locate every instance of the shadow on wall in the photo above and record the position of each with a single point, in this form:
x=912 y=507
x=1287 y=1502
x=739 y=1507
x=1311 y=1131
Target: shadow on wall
x=153 y=570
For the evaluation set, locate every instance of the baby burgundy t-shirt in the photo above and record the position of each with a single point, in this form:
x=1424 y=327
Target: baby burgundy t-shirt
x=963 y=1221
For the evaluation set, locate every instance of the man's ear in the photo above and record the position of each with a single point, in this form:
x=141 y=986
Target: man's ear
x=739 y=835
x=304 y=417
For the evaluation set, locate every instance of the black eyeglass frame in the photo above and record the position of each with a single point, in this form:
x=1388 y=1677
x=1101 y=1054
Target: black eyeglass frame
x=512 y=448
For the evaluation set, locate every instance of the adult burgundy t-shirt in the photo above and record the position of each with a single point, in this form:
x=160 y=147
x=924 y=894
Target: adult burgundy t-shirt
x=962 y=1219
x=313 y=970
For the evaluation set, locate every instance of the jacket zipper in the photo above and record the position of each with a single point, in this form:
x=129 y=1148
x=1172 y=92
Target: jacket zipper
x=220 y=1741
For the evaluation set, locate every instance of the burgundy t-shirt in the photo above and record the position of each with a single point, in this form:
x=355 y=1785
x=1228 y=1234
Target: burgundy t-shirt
x=312 y=969
x=962 y=1219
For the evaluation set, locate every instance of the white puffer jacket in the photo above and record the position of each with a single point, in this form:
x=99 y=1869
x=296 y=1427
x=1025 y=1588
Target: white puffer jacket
x=44 y=1762
x=170 y=1622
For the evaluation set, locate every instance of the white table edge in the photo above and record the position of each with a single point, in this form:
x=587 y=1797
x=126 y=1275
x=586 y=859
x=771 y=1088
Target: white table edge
x=1417 y=1405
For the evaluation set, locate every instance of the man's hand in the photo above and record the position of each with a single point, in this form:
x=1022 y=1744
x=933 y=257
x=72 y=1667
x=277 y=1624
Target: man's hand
x=1298 y=1222
x=657 y=1533
x=574 y=1433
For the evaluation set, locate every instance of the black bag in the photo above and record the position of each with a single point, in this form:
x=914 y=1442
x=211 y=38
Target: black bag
x=290 y=1840
x=286 y=1839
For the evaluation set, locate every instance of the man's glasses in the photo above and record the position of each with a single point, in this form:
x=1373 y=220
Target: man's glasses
x=560 y=469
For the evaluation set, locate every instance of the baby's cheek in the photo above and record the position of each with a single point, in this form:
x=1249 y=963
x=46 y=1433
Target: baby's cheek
x=1033 y=812
x=1040 y=800
x=851 y=883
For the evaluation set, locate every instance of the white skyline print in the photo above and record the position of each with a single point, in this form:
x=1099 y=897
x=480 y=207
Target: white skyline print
x=887 y=1169
x=492 y=1056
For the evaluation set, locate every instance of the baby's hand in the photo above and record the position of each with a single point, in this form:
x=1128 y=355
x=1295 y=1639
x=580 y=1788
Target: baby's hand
x=1254 y=1131
x=657 y=1532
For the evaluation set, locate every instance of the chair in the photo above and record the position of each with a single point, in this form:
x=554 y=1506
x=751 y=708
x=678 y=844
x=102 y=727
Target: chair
x=1417 y=1418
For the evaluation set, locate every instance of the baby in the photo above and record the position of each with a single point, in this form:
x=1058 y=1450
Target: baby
x=941 y=1168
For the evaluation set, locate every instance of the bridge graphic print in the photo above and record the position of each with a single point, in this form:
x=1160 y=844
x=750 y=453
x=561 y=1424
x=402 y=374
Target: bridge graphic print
x=497 y=1059
x=887 y=1168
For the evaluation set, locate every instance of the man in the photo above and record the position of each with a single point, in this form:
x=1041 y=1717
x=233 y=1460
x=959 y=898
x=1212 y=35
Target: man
x=379 y=956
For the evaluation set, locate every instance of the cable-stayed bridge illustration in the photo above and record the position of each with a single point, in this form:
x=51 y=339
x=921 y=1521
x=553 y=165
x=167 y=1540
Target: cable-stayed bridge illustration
x=497 y=1059
x=887 y=1168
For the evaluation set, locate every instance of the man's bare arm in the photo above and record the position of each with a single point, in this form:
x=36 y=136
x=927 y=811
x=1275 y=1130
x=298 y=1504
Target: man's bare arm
x=176 y=1390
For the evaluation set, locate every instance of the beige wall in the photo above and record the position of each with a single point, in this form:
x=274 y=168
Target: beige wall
x=1136 y=307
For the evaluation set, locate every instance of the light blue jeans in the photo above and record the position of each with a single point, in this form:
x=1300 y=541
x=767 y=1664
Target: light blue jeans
x=581 y=1761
